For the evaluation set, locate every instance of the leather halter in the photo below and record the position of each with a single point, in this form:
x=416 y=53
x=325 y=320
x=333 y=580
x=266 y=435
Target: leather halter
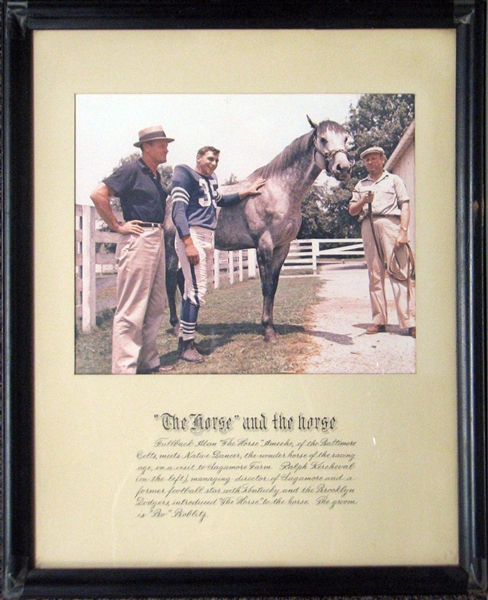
x=329 y=156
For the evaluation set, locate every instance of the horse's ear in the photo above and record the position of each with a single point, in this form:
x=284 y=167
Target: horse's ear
x=312 y=124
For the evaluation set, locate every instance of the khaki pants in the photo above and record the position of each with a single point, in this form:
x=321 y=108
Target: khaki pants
x=387 y=230
x=141 y=300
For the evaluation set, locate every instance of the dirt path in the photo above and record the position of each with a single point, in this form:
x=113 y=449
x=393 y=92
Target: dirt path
x=339 y=322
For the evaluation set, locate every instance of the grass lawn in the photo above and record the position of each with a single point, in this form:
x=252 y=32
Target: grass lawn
x=229 y=332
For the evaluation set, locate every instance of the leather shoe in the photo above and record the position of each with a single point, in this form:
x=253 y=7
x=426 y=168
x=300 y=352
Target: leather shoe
x=200 y=349
x=160 y=370
x=164 y=369
x=412 y=331
x=190 y=353
x=372 y=329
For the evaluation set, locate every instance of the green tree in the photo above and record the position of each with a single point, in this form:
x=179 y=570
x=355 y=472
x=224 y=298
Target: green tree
x=231 y=180
x=379 y=120
x=325 y=214
x=314 y=217
x=128 y=159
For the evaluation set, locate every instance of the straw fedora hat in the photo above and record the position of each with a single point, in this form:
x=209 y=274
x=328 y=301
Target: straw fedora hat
x=150 y=134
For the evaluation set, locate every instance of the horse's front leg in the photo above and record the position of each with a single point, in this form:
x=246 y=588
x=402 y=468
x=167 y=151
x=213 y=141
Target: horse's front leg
x=172 y=282
x=270 y=262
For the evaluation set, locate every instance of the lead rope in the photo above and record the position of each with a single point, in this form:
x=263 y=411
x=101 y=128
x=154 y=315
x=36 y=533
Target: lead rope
x=393 y=262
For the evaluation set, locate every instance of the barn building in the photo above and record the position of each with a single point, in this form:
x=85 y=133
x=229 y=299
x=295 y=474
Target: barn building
x=402 y=162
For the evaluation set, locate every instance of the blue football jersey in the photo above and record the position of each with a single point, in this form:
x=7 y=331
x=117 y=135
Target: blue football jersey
x=195 y=199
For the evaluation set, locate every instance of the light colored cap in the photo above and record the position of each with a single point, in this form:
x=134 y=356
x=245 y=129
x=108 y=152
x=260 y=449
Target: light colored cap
x=372 y=150
x=150 y=134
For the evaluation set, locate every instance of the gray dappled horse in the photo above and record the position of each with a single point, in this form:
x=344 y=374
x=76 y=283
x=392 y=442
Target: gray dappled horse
x=271 y=220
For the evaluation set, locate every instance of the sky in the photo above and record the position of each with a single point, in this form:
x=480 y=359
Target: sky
x=249 y=130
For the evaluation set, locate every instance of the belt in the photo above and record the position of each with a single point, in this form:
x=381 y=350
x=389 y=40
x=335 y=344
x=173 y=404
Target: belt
x=380 y=216
x=148 y=224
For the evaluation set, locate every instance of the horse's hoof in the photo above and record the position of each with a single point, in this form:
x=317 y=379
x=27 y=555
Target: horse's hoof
x=271 y=337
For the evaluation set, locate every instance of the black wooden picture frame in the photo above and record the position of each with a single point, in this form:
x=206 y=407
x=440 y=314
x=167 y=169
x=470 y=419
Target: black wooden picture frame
x=21 y=578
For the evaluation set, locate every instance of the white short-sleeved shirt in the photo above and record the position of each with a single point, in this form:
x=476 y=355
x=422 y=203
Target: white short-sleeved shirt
x=389 y=195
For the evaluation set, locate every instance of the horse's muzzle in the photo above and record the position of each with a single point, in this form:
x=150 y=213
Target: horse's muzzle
x=342 y=172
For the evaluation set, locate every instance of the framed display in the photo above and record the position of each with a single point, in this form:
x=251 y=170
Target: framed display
x=314 y=447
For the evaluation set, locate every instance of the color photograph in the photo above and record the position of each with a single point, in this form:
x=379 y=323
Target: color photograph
x=245 y=233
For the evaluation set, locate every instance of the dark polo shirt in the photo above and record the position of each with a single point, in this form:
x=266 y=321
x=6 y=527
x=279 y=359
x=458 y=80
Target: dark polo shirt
x=141 y=194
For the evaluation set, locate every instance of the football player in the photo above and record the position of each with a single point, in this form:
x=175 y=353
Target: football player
x=195 y=199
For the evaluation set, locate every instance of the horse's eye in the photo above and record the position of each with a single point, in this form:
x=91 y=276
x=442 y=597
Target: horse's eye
x=323 y=140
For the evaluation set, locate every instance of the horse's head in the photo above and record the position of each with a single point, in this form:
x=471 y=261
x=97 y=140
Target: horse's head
x=331 y=143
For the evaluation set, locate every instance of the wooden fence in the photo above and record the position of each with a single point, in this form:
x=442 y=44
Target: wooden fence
x=95 y=265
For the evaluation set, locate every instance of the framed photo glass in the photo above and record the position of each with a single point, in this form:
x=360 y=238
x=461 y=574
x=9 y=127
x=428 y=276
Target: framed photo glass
x=309 y=443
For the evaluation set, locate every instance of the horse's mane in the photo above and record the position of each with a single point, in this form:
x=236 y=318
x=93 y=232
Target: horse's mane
x=286 y=157
x=297 y=148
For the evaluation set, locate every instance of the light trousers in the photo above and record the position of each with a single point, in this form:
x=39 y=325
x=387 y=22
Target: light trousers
x=141 y=300
x=387 y=230
x=196 y=278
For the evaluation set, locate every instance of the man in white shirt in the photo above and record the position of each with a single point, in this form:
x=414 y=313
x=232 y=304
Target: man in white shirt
x=381 y=200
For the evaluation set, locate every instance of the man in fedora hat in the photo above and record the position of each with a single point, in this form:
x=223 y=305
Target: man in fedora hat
x=381 y=200
x=141 y=293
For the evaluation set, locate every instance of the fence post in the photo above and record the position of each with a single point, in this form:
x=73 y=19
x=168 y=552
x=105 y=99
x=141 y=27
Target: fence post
x=251 y=263
x=241 y=265
x=89 y=289
x=216 y=269
x=230 y=254
x=315 y=253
